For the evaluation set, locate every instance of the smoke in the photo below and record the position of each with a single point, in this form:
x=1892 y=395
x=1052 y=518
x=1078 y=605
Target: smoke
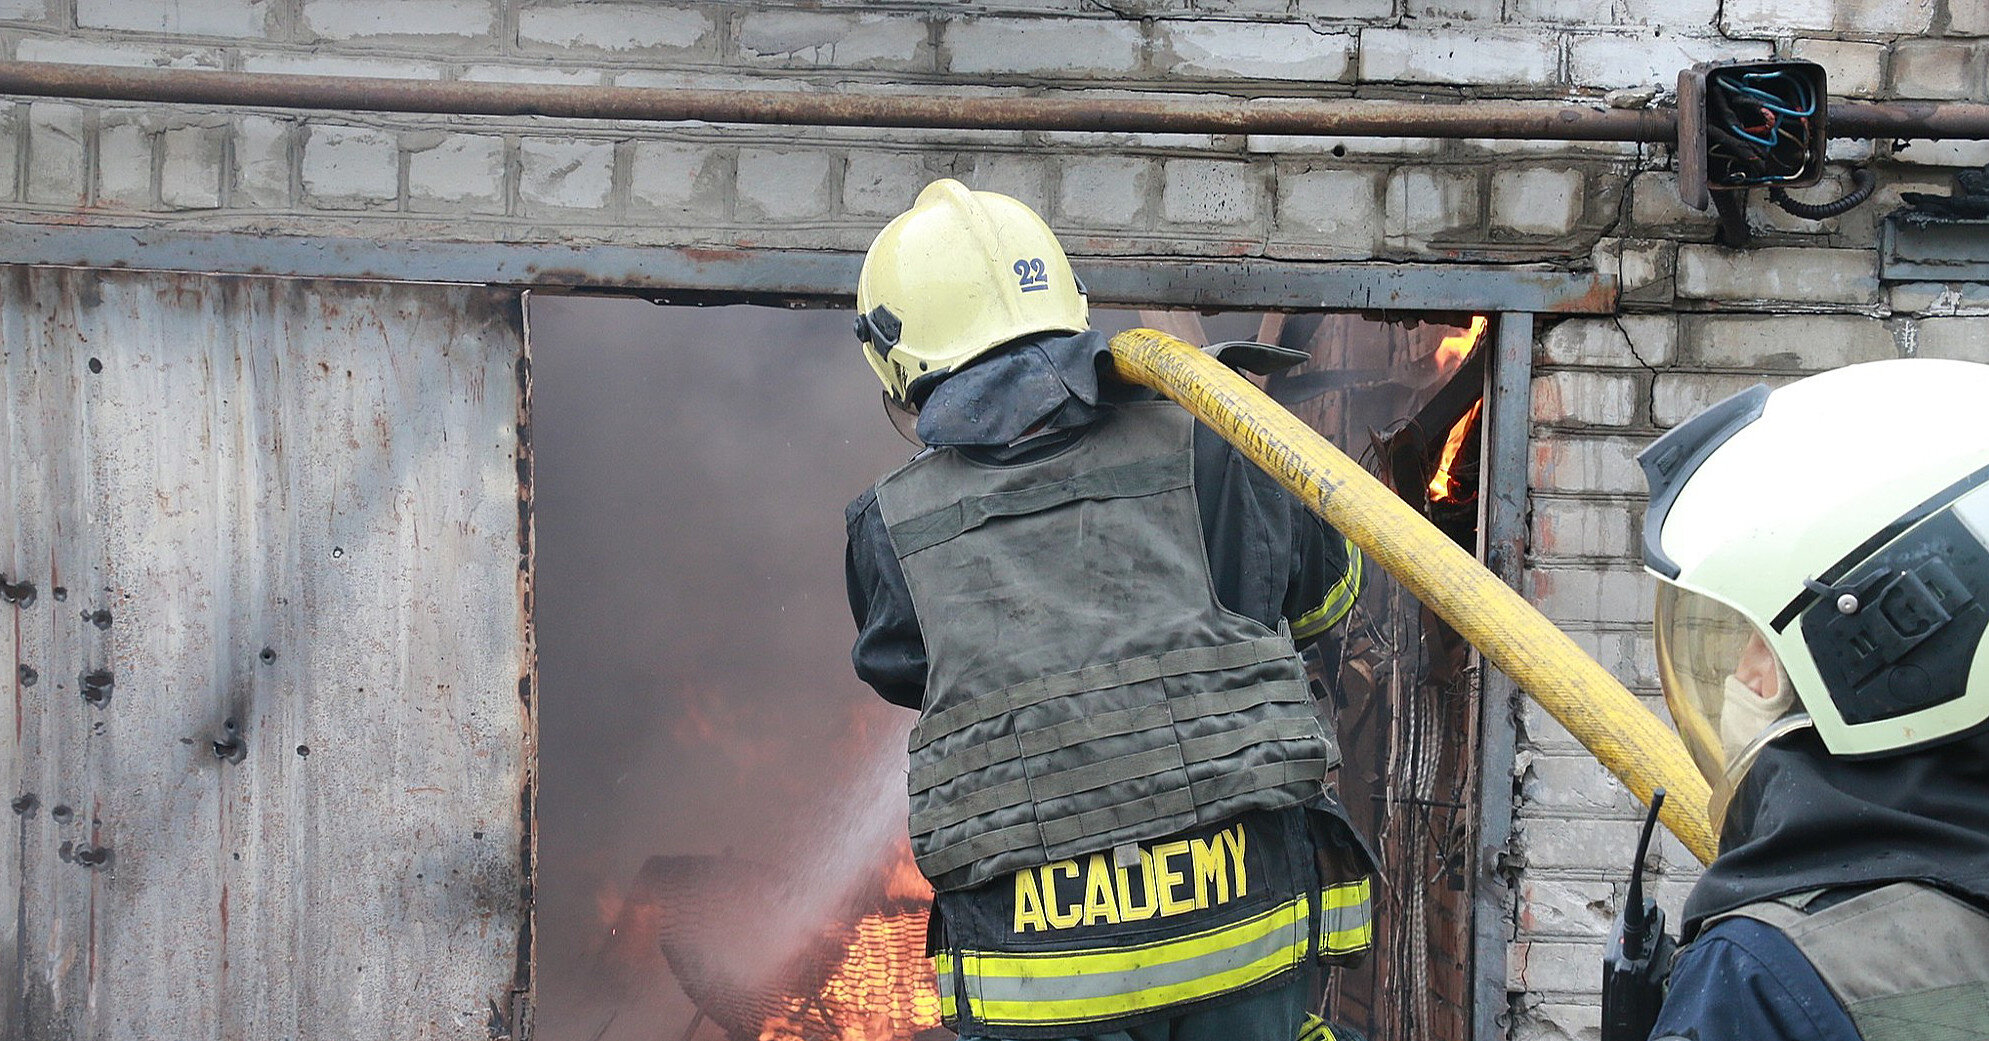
x=696 y=695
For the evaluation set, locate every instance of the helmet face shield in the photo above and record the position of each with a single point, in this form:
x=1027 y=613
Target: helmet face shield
x=1728 y=693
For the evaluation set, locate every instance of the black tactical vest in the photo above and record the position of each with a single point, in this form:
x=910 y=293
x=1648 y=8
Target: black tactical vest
x=1085 y=690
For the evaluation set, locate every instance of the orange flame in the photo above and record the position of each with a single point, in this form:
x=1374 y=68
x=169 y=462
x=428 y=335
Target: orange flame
x=1443 y=486
x=1453 y=349
x=882 y=990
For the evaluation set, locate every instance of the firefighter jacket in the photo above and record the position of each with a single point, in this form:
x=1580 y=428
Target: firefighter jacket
x=1110 y=768
x=1900 y=962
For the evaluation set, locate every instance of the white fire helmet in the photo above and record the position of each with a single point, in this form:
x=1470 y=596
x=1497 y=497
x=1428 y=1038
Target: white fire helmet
x=958 y=274
x=1822 y=553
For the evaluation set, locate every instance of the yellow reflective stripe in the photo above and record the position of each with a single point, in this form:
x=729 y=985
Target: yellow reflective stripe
x=1339 y=599
x=942 y=966
x=1315 y=1029
x=1114 y=982
x=1346 y=918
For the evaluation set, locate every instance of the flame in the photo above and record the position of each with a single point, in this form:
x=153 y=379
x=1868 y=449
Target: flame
x=1453 y=349
x=881 y=990
x=1443 y=486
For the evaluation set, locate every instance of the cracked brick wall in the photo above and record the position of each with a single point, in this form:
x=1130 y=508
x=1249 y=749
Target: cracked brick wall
x=1697 y=321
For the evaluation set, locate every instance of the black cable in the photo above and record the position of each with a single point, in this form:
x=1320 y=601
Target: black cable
x=1862 y=184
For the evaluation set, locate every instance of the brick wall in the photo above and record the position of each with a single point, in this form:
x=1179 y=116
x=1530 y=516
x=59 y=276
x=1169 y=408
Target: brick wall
x=1697 y=321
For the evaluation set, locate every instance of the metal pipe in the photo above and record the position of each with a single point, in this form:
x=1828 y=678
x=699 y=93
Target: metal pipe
x=1346 y=118
x=1547 y=121
x=1627 y=738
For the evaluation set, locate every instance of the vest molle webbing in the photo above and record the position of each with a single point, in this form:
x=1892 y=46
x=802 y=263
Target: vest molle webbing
x=1908 y=962
x=1085 y=687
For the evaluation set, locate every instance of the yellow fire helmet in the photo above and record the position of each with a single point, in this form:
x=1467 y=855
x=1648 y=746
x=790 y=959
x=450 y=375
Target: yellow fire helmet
x=958 y=274
x=1822 y=552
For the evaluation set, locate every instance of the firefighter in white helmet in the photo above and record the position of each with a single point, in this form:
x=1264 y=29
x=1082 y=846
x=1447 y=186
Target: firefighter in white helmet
x=1822 y=553
x=1118 y=773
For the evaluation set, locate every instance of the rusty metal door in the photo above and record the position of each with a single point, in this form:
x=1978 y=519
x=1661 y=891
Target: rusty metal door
x=267 y=564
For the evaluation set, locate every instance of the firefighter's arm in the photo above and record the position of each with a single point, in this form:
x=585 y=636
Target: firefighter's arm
x=889 y=653
x=1327 y=575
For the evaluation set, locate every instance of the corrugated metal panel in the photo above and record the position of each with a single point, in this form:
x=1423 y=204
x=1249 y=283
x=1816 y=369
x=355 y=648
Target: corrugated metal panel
x=269 y=739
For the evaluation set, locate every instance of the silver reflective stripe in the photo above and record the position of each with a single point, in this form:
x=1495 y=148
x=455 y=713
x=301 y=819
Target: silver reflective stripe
x=1346 y=918
x=1089 y=985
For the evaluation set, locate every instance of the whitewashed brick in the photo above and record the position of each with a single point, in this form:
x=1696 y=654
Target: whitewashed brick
x=124 y=166
x=1938 y=298
x=1253 y=50
x=190 y=167
x=1655 y=206
x=1025 y=178
x=650 y=28
x=1390 y=147
x=1554 y=967
x=1587 y=398
x=1584 y=528
x=455 y=171
x=530 y=74
x=1445 y=11
x=1938 y=68
x=679 y=179
x=371 y=19
x=1592 y=595
x=783 y=185
x=1329 y=11
x=1579 y=843
x=1968 y=18
x=1607 y=60
x=340 y=65
x=1643 y=267
x=1558 y=1021
x=1944 y=153
x=350 y=167
x=1537 y=200
x=1339 y=207
x=882 y=184
x=1106 y=191
x=1211 y=192
x=25 y=10
x=1586 y=464
x=1466 y=56
x=1678 y=396
x=1627 y=341
x=1567 y=907
x=74 y=51
x=557 y=174
x=57 y=170
x=1786 y=342
x=1689 y=15
x=1629 y=656
x=1782 y=17
x=1423 y=202
x=1853 y=70
x=1790 y=274
x=262 y=161
x=1961 y=339
x=10 y=150
x=1067 y=48
x=235 y=18
x=848 y=41
x=1553 y=785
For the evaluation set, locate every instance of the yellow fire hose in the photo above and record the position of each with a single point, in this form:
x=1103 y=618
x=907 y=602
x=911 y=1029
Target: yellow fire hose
x=1605 y=717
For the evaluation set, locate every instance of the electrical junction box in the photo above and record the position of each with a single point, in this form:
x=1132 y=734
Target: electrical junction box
x=1747 y=124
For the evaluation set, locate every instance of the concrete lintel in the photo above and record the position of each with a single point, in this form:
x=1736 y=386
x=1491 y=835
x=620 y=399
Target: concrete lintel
x=804 y=277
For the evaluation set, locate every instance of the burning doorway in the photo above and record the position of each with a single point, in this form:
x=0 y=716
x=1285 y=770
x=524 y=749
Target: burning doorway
x=721 y=809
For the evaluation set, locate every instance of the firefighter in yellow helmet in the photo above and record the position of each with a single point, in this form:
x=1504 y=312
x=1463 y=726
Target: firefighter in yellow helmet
x=1822 y=557
x=1118 y=775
